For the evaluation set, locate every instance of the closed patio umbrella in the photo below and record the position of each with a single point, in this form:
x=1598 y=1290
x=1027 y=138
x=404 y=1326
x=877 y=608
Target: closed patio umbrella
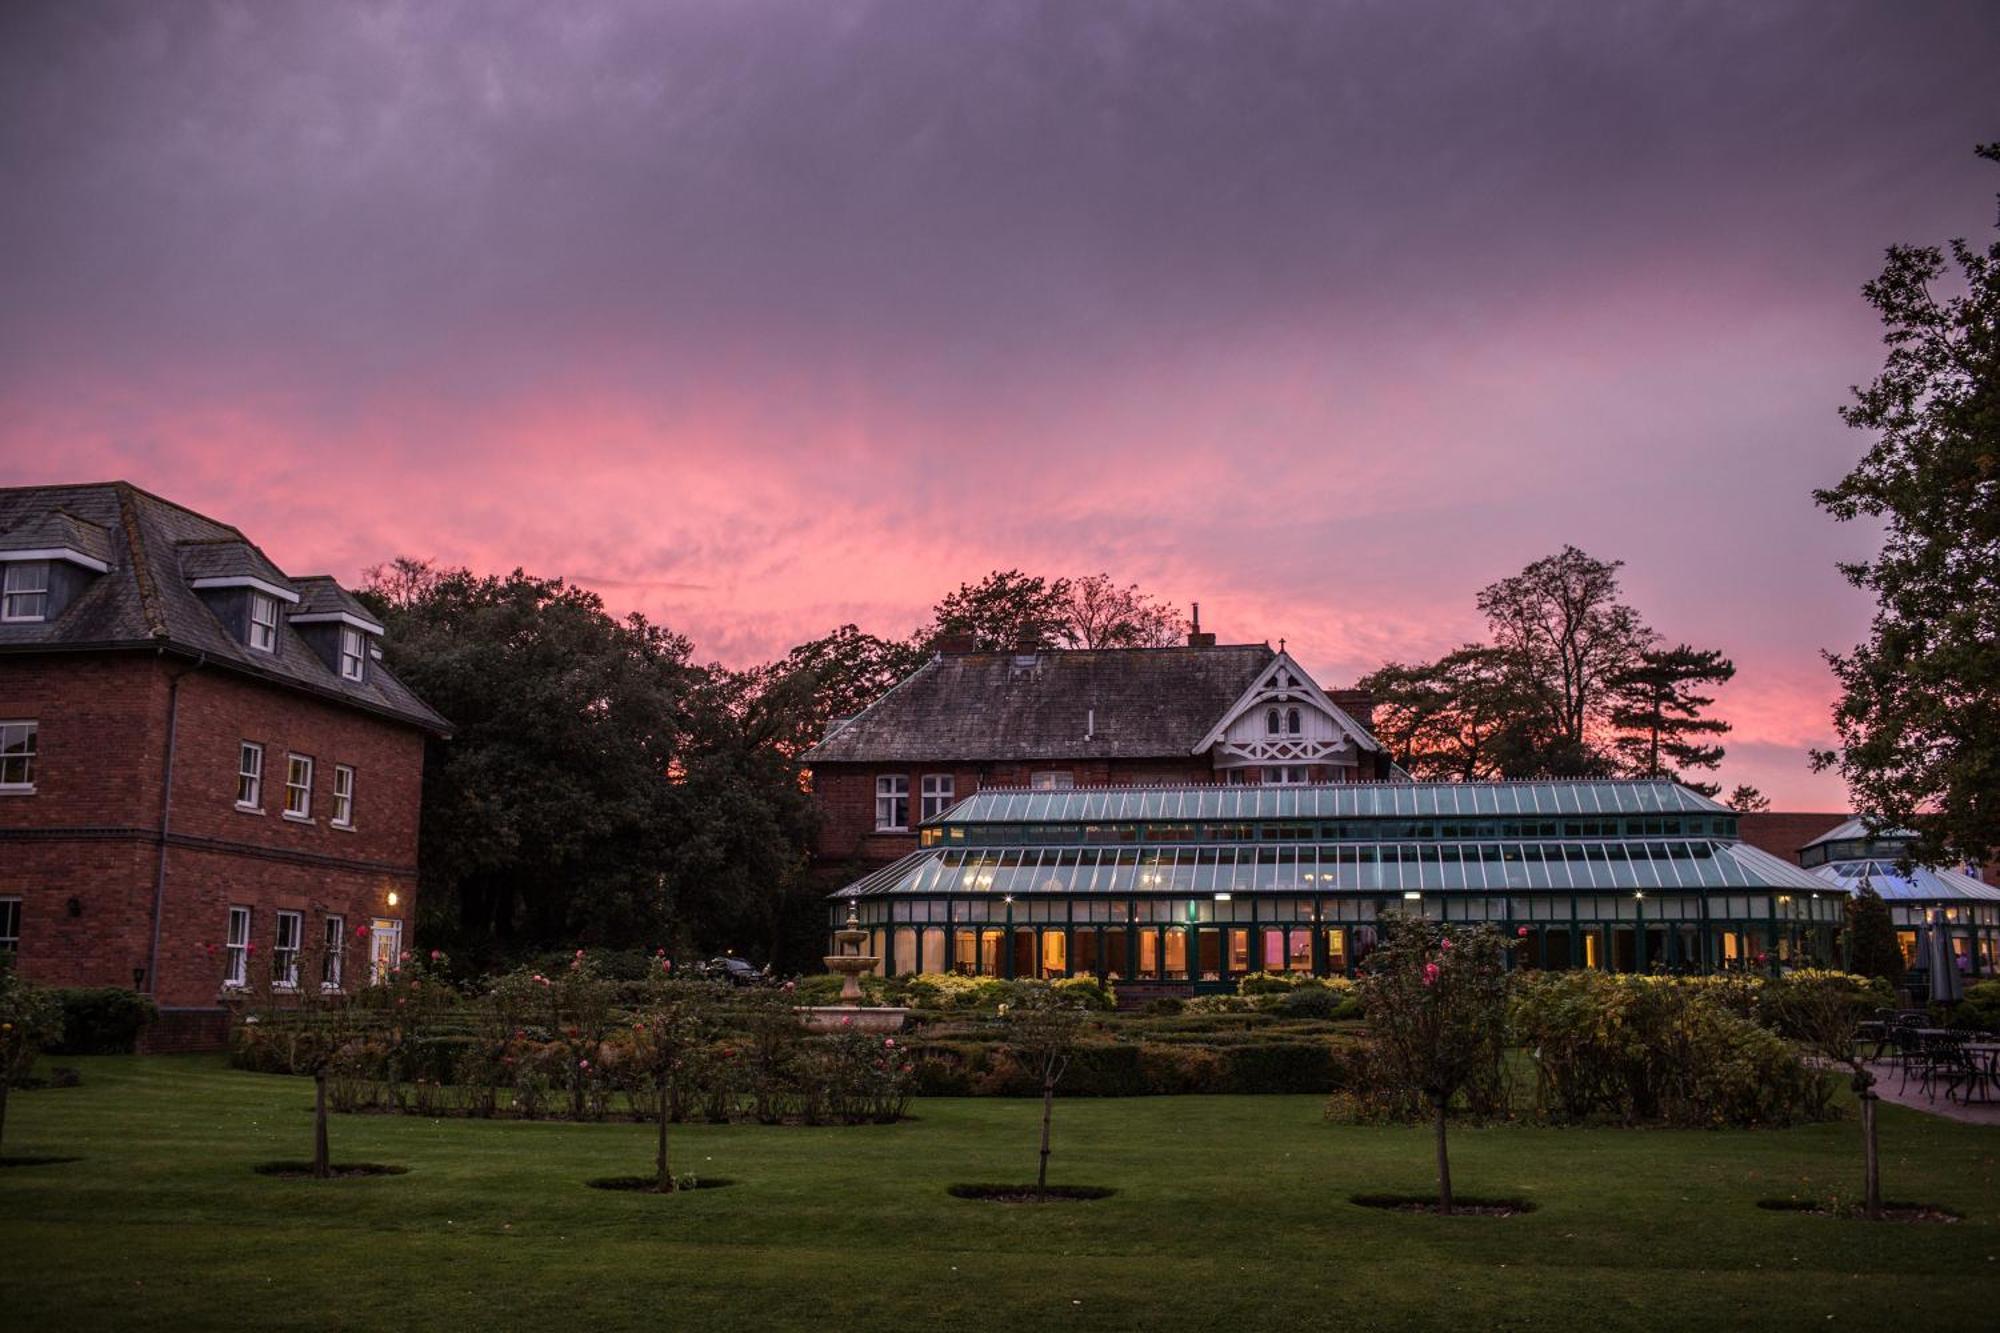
x=1947 y=986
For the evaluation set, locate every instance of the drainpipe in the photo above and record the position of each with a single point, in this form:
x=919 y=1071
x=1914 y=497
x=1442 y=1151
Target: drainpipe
x=166 y=824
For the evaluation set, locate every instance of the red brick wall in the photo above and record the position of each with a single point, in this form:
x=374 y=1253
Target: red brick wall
x=89 y=833
x=1782 y=833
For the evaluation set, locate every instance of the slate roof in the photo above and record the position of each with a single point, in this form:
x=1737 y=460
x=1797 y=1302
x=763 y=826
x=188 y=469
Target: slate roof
x=321 y=595
x=55 y=529
x=1107 y=703
x=155 y=549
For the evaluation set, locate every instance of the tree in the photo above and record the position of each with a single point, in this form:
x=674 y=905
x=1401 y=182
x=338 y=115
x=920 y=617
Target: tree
x=826 y=680
x=1044 y=1028
x=1004 y=611
x=1823 y=1011
x=1458 y=718
x=1869 y=936
x=1919 y=717
x=678 y=1021
x=1746 y=799
x=1436 y=1000
x=30 y=1018
x=1100 y=614
x=1658 y=714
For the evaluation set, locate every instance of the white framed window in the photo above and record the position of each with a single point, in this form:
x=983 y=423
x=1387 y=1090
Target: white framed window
x=236 y=969
x=353 y=653
x=343 y=796
x=24 y=591
x=1270 y=721
x=336 y=950
x=937 y=794
x=263 y=622
x=1053 y=780
x=1291 y=775
x=1292 y=721
x=385 y=947
x=892 y=802
x=10 y=925
x=285 y=950
x=298 y=786
x=18 y=750
x=250 y=776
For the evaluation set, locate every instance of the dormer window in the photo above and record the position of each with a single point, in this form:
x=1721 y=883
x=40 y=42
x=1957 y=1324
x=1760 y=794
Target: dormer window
x=353 y=653
x=24 y=595
x=263 y=622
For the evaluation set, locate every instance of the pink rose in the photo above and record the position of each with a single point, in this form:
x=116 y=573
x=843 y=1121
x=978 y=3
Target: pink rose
x=1430 y=974
x=1522 y=932
x=583 y=1064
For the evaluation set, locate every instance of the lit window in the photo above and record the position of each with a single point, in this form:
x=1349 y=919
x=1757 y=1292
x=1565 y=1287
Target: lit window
x=263 y=622
x=285 y=951
x=298 y=787
x=25 y=592
x=892 y=803
x=10 y=925
x=17 y=756
x=937 y=794
x=343 y=796
x=352 y=653
x=237 y=962
x=250 y=776
x=1050 y=780
x=336 y=947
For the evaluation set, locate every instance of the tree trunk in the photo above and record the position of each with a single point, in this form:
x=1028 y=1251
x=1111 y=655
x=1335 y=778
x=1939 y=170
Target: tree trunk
x=1048 y=1107
x=1444 y=1161
x=1873 y=1174
x=322 y=1168
x=665 y=1180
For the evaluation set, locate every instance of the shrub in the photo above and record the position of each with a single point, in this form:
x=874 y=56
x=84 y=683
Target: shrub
x=102 y=1020
x=1980 y=1009
x=1271 y=983
x=1089 y=992
x=1315 y=1002
x=1166 y=1004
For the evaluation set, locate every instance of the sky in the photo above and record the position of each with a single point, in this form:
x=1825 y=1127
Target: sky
x=761 y=318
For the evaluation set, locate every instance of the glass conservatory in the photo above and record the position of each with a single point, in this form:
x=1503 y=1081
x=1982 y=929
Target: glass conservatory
x=1969 y=909
x=1201 y=884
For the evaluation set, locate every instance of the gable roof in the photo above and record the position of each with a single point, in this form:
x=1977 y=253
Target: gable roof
x=155 y=551
x=1090 y=703
x=1264 y=689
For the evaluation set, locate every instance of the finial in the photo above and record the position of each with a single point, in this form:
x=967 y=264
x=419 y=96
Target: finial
x=1281 y=643
x=853 y=919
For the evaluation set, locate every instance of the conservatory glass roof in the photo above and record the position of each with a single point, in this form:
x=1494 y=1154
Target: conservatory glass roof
x=1349 y=867
x=1921 y=884
x=1340 y=800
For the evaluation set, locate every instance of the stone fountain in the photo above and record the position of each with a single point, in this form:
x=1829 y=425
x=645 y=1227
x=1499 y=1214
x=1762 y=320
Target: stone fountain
x=850 y=961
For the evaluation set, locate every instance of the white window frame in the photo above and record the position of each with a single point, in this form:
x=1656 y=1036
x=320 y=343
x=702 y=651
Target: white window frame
x=937 y=795
x=17 y=592
x=335 y=955
x=1053 y=779
x=385 y=947
x=355 y=657
x=236 y=948
x=343 y=796
x=20 y=747
x=1287 y=775
x=892 y=803
x=285 y=957
x=10 y=925
x=303 y=790
x=250 y=776
x=263 y=634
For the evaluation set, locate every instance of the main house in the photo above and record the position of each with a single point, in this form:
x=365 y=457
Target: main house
x=1180 y=817
x=205 y=766
x=1061 y=720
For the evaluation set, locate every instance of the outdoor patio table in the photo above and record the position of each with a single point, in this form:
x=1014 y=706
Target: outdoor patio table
x=1984 y=1056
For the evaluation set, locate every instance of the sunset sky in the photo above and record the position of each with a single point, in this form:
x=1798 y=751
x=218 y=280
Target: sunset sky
x=760 y=318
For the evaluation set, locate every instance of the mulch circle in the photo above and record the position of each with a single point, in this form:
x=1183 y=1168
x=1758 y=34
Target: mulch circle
x=1462 y=1205
x=1854 y=1212
x=341 y=1170
x=37 y=1161
x=650 y=1184
x=1029 y=1194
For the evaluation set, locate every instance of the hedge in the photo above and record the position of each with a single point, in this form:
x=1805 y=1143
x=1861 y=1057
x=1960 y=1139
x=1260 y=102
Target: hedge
x=102 y=1020
x=1139 y=1069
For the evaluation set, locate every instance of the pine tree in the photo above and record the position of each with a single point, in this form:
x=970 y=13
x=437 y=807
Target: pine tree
x=1658 y=714
x=1868 y=937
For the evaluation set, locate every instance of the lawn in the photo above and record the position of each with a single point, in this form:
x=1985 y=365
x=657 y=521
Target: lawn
x=1231 y=1212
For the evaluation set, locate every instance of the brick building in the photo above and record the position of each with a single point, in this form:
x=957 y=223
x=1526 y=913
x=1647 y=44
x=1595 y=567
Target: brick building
x=196 y=751
x=1242 y=714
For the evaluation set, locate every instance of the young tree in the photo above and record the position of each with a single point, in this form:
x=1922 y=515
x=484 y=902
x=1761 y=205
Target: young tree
x=1436 y=1001
x=292 y=996
x=1658 y=713
x=1044 y=1028
x=677 y=1022
x=1919 y=717
x=1823 y=1011
x=1746 y=799
x=1869 y=936
x=30 y=1018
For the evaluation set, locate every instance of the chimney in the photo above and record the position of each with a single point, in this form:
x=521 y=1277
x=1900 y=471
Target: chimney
x=1196 y=639
x=956 y=642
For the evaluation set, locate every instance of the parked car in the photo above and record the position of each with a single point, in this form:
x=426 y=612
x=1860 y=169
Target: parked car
x=735 y=971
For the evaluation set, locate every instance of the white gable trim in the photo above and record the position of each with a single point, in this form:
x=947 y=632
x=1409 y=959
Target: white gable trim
x=1264 y=691
x=246 y=581
x=339 y=617
x=65 y=553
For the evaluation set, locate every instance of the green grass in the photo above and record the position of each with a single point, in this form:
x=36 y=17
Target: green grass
x=1229 y=1213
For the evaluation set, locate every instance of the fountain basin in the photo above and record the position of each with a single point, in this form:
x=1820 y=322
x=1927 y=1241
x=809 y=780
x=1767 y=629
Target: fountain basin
x=853 y=1018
